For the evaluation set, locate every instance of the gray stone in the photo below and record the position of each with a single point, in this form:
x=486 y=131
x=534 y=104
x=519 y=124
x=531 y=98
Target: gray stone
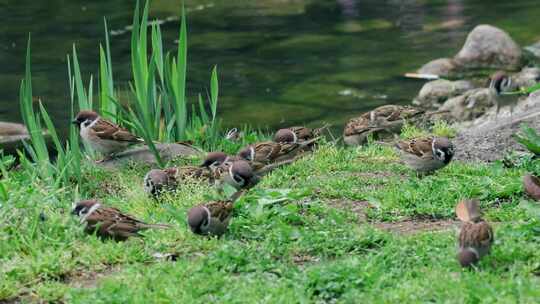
x=142 y=154
x=534 y=49
x=527 y=77
x=434 y=93
x=12 y=135
x=471 y=105
x=489 y=47
x=441 y=67
x=490 y=137
x=12 y=129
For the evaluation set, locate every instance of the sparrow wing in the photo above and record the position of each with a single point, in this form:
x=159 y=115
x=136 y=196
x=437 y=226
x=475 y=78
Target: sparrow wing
x=123 y=230
x=220 y=209
x=110 y=222
x=478 y=235
x=266 y=152
x=410 y=112
x=357 y=125
x=107 y=130
x=193 y=172
x=420 y=147
x=302 y=133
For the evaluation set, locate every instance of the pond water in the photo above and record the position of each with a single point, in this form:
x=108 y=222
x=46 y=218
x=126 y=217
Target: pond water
x=281 y=62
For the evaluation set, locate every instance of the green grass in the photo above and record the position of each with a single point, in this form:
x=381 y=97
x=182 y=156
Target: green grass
x=289 y=240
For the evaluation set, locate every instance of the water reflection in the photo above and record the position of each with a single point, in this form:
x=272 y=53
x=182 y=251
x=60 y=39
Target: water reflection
x=280 y=62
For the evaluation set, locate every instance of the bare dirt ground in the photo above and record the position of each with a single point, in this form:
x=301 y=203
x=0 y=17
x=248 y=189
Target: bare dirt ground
x=489 y=139
x=406 y=226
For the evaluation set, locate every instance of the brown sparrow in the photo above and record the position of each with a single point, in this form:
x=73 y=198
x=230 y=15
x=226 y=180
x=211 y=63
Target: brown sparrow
x=531 y=185
x=108 y=222
x=216 y=159
x=234 y=135
x=476 y=235
x=384 y=120
x=156 y=181
x=294 y=135
x=103 y=135
x=426 y=154
x=499 y=84
x=213 y=217
x=237 y=174
x=265 y=153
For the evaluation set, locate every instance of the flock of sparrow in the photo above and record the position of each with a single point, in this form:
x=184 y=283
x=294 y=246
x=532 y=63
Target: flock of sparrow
x=244 y=170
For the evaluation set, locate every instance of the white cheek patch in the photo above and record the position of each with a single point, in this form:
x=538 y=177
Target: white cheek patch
x=208 y=216
x=295 y=138
x=252 y=153
x=92 y=210
x=473 y=250
x=232 y=176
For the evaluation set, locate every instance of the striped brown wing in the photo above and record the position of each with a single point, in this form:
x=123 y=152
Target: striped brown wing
x=220 y=209
x=193 y=172
x=113 y=223
x=302 y=133
x=266 y=152
x=357 y=125
x=478 y=234
x=107 y=130
x=420 y=147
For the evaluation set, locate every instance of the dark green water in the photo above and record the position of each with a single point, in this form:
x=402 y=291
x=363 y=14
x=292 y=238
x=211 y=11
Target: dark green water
x=280 y=62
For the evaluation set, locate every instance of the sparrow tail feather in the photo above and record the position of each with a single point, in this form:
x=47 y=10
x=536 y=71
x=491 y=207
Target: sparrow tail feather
x=157 y=226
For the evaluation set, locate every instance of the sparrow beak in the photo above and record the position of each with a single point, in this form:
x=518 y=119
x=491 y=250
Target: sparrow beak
x=75 y=122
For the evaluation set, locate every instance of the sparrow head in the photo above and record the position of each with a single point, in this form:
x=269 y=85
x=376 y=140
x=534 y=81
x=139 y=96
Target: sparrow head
x=241 y=173
x=214 y=159
x=500 y=82
x=285 y=136
x=234 y=135
x=155 y=180
x=85 y=208
x=85 y=118
x=467 y=257
x=198 y=219
x=442 y=149
x=248 y=153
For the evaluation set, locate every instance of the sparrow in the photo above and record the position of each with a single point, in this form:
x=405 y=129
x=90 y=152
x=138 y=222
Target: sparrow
x=384 y=120
x=108 y=222
x=103 y=135
x=234 y=135
x=499 y=84
x=212 y=218
x=426 y=155
x=531 y=184
x=156 y=181
x=294 y=135
x=266 y=153
x=237 y=174
x=476 y=235
x=216 y=159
